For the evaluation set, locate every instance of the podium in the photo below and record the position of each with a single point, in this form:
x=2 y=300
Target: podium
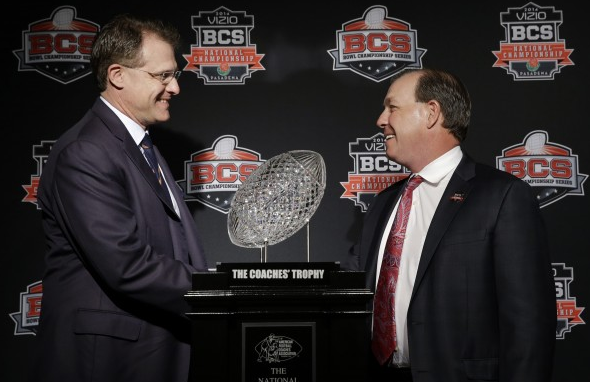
x=279 y=322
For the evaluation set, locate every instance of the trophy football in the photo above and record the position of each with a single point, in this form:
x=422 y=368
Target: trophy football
x=277 y=200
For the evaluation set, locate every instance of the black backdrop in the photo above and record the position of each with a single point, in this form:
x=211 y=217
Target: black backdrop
x=298 y=97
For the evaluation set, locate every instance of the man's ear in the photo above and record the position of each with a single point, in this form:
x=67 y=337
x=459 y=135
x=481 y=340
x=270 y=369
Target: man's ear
x=115 y=74
x=434 y=113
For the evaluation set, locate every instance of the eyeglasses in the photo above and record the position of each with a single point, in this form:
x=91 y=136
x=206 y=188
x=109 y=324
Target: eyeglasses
x=164 y=77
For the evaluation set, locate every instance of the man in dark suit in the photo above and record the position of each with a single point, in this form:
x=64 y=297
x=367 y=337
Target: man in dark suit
x=121 y=245
x=474 y=298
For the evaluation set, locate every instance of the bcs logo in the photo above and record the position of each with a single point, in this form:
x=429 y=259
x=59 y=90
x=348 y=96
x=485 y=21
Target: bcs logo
x=58 y=47
x=223 y=54
x=532 y=50
x=27 y=319
x=40 y=154
x=373 y=171
x=213 y=175
x=547 y=166
x=376 y=46
x=568 y=313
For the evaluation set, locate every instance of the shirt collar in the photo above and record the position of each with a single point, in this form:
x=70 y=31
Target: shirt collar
x=436 y=170
x=137 y=132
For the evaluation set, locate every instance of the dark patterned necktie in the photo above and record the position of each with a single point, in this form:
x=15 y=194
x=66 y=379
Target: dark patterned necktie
x=384 y=332
x=148 y=150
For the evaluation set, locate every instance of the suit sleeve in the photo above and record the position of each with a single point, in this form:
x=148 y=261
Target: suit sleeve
x=525 y=288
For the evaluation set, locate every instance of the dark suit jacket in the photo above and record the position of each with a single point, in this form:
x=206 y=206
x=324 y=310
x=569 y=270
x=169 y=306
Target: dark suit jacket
x=483 y=304
x=119 y=261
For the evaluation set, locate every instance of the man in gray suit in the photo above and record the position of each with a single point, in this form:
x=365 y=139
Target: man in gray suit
x=122 y=244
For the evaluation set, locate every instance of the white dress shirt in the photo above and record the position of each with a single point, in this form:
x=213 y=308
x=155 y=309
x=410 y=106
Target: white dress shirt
x=425 y=199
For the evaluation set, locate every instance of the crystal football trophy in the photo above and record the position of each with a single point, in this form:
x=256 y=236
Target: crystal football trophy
x=277 y=200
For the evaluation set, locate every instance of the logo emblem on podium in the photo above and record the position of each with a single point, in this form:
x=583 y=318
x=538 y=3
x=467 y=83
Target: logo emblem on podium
x=277 y=349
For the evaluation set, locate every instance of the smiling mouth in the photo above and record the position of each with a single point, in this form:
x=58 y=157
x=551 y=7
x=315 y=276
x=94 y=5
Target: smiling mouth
x=389 y=136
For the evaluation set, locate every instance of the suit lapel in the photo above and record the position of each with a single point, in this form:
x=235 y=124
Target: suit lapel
x=170 y=179
x=451 y=202
x=137 y=157
x=117 y=128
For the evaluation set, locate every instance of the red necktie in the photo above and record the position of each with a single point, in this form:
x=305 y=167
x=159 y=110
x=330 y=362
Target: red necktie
x=384 y=333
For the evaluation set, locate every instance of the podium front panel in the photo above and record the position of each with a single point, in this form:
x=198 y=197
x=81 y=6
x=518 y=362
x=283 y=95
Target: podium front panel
x=307 y=324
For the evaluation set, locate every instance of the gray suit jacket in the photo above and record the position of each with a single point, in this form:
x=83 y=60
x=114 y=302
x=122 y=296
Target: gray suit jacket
x=118 y=264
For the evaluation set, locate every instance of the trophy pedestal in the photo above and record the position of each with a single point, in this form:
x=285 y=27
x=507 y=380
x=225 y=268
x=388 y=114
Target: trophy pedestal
x=279 y=322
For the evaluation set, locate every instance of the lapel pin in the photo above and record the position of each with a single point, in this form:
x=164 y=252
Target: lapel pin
x=458 y=197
